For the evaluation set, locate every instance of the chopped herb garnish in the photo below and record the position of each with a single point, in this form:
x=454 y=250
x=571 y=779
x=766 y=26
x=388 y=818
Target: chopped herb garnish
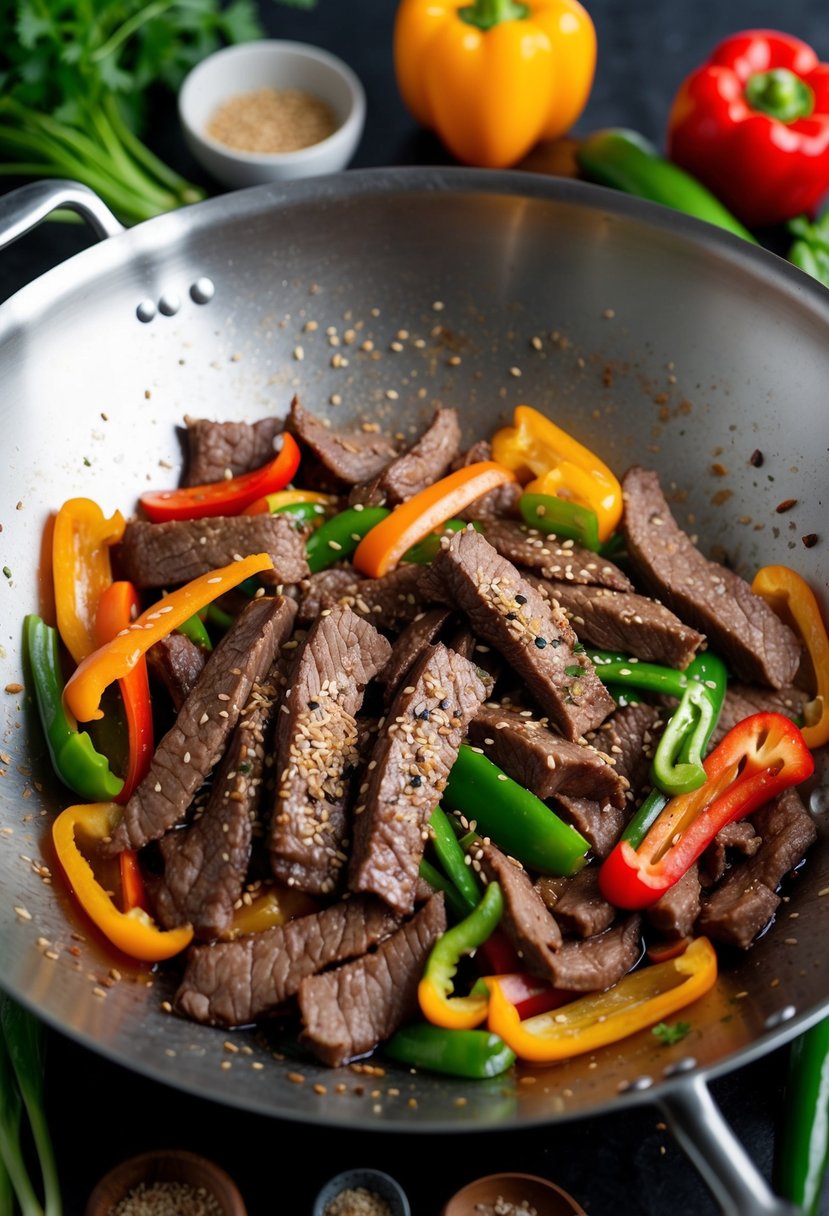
x=87 y=462
x=573 y=670
x=7 y=572
x=668 y=1035
x=578 y=648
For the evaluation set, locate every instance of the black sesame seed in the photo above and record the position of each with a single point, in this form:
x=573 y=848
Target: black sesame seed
x=416 y=781
x=541 y=643
x=313 y=704
x=512 y=616
x=444 y=704
x=520 y=599
x=423 y=715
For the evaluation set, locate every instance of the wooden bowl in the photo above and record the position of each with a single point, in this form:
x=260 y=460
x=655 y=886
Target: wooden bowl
x=170 y=1165
x=545 y=1197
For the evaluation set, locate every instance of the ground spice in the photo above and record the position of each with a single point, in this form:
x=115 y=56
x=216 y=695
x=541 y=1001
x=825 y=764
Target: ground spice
x=167 y=1199
x=272 y=120
x=357 y=1201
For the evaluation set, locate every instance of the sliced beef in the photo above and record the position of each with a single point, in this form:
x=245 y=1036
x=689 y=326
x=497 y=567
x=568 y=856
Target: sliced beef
x=393 y=600
x=577 y=903
x=217 y=450
x=746 y=899
x=743 y=700
x=164 y=555
x=633 y=624
x=424 y=464
x=234 y=983
x=349 y=456
x=323 y=590
x=601 y=824
x=526 y=921
x=193 y=745
x=205 y=864
x=629 y=738
x=674 y=914
x=739 y=837
x=542 y=760
x=412 y=643
x=737 y=623
x=502 y=502
x=599 y=962
x=409 y=767
x=481 y=450
x=563 y=561
x=176 y=663
x=504 y=610
x=348 y=1011
x=317 y=749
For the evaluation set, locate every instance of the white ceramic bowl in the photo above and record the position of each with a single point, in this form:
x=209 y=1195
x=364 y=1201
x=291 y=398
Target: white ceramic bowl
x=280 y=65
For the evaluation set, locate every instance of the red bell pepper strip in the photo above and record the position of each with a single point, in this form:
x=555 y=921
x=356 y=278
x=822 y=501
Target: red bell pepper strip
x=758 y=759
x=133 y=891
x=752 y=124
x=117 y=609
x=228 y=497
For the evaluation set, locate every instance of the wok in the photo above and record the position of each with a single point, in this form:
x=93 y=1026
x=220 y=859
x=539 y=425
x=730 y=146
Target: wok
x=664 y=341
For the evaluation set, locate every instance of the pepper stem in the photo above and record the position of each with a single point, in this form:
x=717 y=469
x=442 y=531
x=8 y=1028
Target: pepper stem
x=780 y=93
x=484 y=14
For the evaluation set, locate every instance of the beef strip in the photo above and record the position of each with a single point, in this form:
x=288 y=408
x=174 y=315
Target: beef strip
x=562 y=561
x=234 y=983
x=192 y=746
x=629 y=737
x=348 y=1011
x=504 y=610
x=542 y=760
x=216 y=450
x=350 y=456
x=317 y=752
x=409 y=767
x=601 y=824
x=205 y=864
x=740 y=837
x=577 y=903
x=743 y=700
x=737 y=623
x=630 y=623
x=424 y=464
x=412 y=643
x=393 y=600
x=526 y=920
x=673 y=915
x=176 y=663
x=502 y=502
x=596 y=963
x=164 y=555
x=323 y=590
x=746 y=899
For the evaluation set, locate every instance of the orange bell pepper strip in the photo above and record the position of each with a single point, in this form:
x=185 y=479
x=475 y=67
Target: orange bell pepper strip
x=382 y=548
x=116 y=659
x=133 y=931
x=81 y=569
x=562 y=467
x=268 y=503
x=641 y=999
x=793 y=599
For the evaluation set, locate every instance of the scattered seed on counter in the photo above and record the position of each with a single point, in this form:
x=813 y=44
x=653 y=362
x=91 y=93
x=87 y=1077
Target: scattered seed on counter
x=756 y=459
x=785 y=505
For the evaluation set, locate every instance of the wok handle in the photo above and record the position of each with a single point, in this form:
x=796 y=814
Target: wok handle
x=699 y=1126
x=23 y=209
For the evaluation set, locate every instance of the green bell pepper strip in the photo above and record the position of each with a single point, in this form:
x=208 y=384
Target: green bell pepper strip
x=339 y=536
x=303 y=512
x=802 y=1146
x=218 y=618
x=194 y=629
x=423 y=552
x=73 y=756
x=435 y=992
x=645 y=818
x=439 y=882
x=453 y=859
x=623 y=696
x=614 y=547
x=475 y=1054
x=561 y=517
x=519 y=822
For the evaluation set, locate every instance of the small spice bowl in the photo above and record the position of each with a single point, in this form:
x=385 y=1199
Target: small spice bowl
x=237 y=73
x=174 y=1173
x=512 y=1195
x=362 y=1192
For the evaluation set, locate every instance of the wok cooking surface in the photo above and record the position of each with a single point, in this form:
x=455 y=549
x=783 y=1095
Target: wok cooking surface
x=662 y=341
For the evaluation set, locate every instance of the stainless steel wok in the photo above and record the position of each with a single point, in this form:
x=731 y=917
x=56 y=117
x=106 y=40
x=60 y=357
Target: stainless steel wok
x=663 y=341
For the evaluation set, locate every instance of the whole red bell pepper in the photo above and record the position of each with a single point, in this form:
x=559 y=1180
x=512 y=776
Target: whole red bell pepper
x=758 y=759
x=752 y=124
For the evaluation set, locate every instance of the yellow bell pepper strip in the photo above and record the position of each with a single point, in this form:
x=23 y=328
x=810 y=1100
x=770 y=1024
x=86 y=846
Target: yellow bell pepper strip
x=434 y=992
x=116 y=659
x=117 y=609
x=228 y=497
x=133 y=932
x=641 y=999
x=81 y=569
x=273 y=905
x=493 y=77
x=793 y=599
x=269 y=504
x=562 y=467
x=383 y=547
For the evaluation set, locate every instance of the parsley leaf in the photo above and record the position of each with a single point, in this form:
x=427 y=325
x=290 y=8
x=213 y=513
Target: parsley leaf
x=668 y=1035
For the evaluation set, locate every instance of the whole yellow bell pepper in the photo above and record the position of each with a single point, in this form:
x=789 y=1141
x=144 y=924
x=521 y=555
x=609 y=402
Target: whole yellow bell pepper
x=493 y=77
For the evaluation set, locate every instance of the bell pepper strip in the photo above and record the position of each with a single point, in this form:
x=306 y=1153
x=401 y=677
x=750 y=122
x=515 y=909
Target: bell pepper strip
x=801 y=1148
x=493 y=77
x=641 y=999
x=758 y=759
x=424 y=551
x=793 y=599
x=384 y=546
x=74 y=758
x=339 y=536
x=218 y=618
x=562 y=467
x=453 y=859
x=497 y=955
x=752 y=124
x=275 y=904
x=519 y=822
x=304 y=514
x=561 y=517
x=623 y=696
x=229 y=497
x=133 y=891
x=474 y=1054
x=81 y=569
x=527 y=993
x=269 y=504
x=85 y=687
x=117 y=609
x=439 y=882
x=435 y=990
x=133 y=932
x=194 y=628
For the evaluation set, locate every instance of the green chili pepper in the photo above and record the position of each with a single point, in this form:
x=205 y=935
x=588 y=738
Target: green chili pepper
x=72 y=753
x=802 y=1148
x=460 y=1053
x=439 y=882
x=339 y=536
x=194 y=629
x=435 y=991
x=423 y=552
x=518 y=821
x=562 y=517
x=217 y=617
x=645 y=818
x=453 y=859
